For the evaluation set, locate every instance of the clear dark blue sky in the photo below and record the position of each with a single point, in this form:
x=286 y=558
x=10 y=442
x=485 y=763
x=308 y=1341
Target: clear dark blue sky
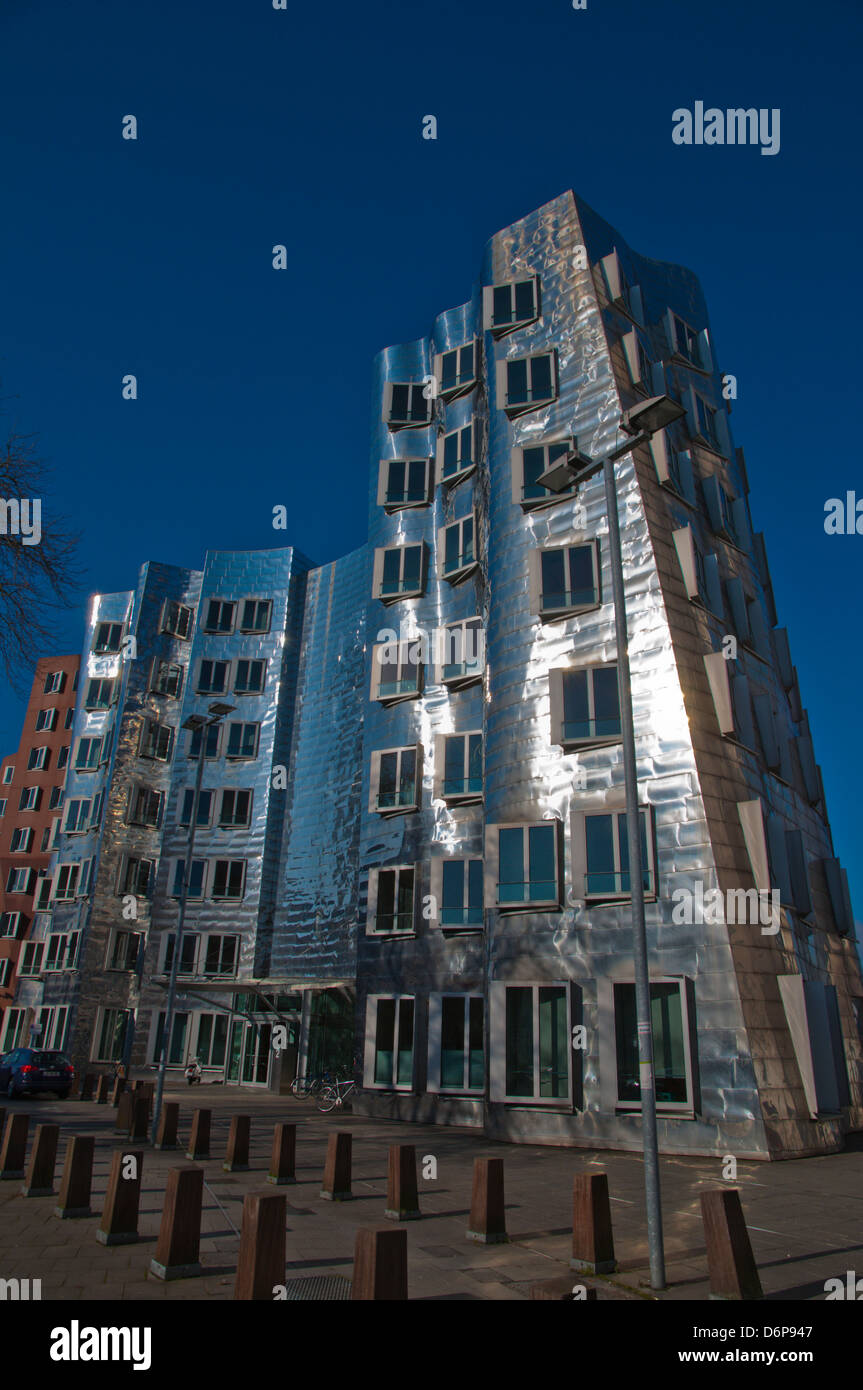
x=303 y=127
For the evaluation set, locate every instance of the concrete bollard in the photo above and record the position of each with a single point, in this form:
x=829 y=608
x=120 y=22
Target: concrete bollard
x=284 y=1156
x=125 y=1105
x=380 y=1265
x=119 y=1088
x=13 y=1147
x=592 y=1238
x=237 y=1157
x=103 y=1090
x=337 y=1170
x=139 y=1130
x=166 y=1135
x=77 y=1179
x=119 y=1224
x=730 y=1261
x=40 y=1170
x=402 y=1200
x=261 y=1263
x=88 y=1082
x=487 y=1215
x=179 y=1243
x=199 y=1139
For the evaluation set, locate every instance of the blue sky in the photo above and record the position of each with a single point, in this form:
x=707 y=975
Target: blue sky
x=303 y=127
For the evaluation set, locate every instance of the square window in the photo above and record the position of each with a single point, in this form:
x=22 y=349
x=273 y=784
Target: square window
x=462 y=658
x=187 y=801
x=524 y=383
x=236 y=808
x=176 y=619
x=242 y=741
x=251 y=677
x=30 y=799
x=211 y=749
x=213 y=677
x=407 y=405
x=256 y=615
x=220 y=956
x=529 y=464
x=524 y=866
x=100 y=694
x=55 y=683
x=458 y=762
x=510 y=306
x=77 y=817
x=395 y=780
x=456 y=370
x=399 y=572
x=46 y=719
x=606 y=856
x=565 y=580
x=196 y=878
x=145 y=807
x=404 y=483
x=39 y=760
x=166 y=679
x=157 y=741
x=229 y=876
x=135 y=877
x=585 y=707
x=220 y=616
x=397 y=671
x=108 y=638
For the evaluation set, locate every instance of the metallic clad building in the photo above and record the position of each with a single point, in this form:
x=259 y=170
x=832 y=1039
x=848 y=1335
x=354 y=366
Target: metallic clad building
x=416 y=858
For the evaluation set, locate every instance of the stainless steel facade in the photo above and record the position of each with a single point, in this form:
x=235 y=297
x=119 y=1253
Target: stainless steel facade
x=342 y=920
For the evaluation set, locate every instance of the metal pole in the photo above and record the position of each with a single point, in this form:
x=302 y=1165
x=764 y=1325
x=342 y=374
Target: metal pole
x=633 y=836
x=178 y=939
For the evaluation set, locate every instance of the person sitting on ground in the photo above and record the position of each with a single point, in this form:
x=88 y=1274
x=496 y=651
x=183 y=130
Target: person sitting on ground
x=193 y=1072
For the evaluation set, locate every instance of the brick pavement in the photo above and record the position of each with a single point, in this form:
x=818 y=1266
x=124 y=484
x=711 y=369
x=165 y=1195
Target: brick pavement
x=805 y=1217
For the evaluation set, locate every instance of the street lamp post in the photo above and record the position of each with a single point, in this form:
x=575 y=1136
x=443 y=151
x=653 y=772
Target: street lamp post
x=200 y=723
x=640 y=423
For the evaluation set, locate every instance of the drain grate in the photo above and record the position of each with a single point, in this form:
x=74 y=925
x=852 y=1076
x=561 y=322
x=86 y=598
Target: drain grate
x=322 y=1288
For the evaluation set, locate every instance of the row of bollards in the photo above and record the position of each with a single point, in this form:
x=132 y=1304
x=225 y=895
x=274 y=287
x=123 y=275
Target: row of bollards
x=380 y=1263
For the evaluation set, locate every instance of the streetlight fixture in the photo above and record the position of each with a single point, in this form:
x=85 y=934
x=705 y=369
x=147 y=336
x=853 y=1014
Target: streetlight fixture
x=642 y=421
x=196 y=723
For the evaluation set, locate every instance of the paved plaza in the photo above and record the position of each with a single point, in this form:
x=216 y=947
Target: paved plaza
x=805 y=1217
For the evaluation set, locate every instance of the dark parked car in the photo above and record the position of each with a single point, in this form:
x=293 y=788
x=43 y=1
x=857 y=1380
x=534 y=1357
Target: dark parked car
x=28 y=1071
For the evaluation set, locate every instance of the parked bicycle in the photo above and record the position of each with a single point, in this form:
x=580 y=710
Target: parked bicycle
x=305 y=1086
x=334 y=1096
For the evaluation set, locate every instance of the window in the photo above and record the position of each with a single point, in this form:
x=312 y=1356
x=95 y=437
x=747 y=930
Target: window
x=108 y=638
x=404 y=483
x=458 y=763
x=3 y=805
x=536 y=1023
x=229 y=876
x=177 y=1047
x=100 y=694
x=506 y=307
x=77 y=815
x=30 y=799
x=39 y=760
x=462 y=660
x=459 y=892
x=585 y=709
x=605 y=860
x=8 y=774
x=684 y=340
x=212 y=1039
x=6 y=968
x=21 y=840
x=70 y=718
x=30 y=960
x=157 y=741
x=55 y=798
x=220 y=616
x=211 y=749
x=397 y=671
x=135 y=877
x=399 y=572
x=145 y=807
x=167 y=679
x=176 y=619
x=456 y=457
x=236 y=808
x=395 y=780
x=456 y=1052
x=527 y=466
x=45 y=886
x=457 y=549
x=188 y=953
x=720 y=509
x=66 y=883
x=526 y=382
x=213 y=677
x=63 y=756
x=55 y=683
x=14 y=1032
x=123 y=950
x=19 y=880
x=187 y=801
x=251 y=677
x=456 y=370
x=565 y=580
x=220 y=956
x=110 y=1035
x=705 y=422
x=196 y=878
x=390 y=1042
x=523 y=863
x=256 y=615
x=392 y=900
x=46 y=719
x=242 y=741
x=670 y=1028
x=88 y=755
x=10 y=923
x=406 y=404
x=46 y=837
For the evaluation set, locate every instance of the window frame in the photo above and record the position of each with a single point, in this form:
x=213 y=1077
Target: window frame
x=535 y=580
x=500 y=1045
x=556 y=682
x=491 y=860
x=435 y=1083
x=404 y=647
x=562 y=447
x=580 y=870
x=373 y=1002
x=437 y=866
x=464 y=677
x=502 y=330
x=405 y=504
x=515 y=408
x=467 y=796
x=373 y=900
x=256 y=630
x=608 y=1045
x=463 y=385
x=406 y=422
x=375 y=774
x=378 y=575
x=447 y=480
x=465 y=566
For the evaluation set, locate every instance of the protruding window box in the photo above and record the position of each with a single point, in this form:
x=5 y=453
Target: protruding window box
x=458 y=768
x=524 y=866
x=396 y=780
x=400 y=572
x=510 y=306
x=404 y=483
x=407 y=404
x=392 y=901
x=457 y=370
x=585 y=707
x=461 y=662
x=397 y=672
x=565 y=580
x=601 y=855
x=456 y=454
x=528 y=464
x=457 y=549
x=526 y=383
x=457 y=894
